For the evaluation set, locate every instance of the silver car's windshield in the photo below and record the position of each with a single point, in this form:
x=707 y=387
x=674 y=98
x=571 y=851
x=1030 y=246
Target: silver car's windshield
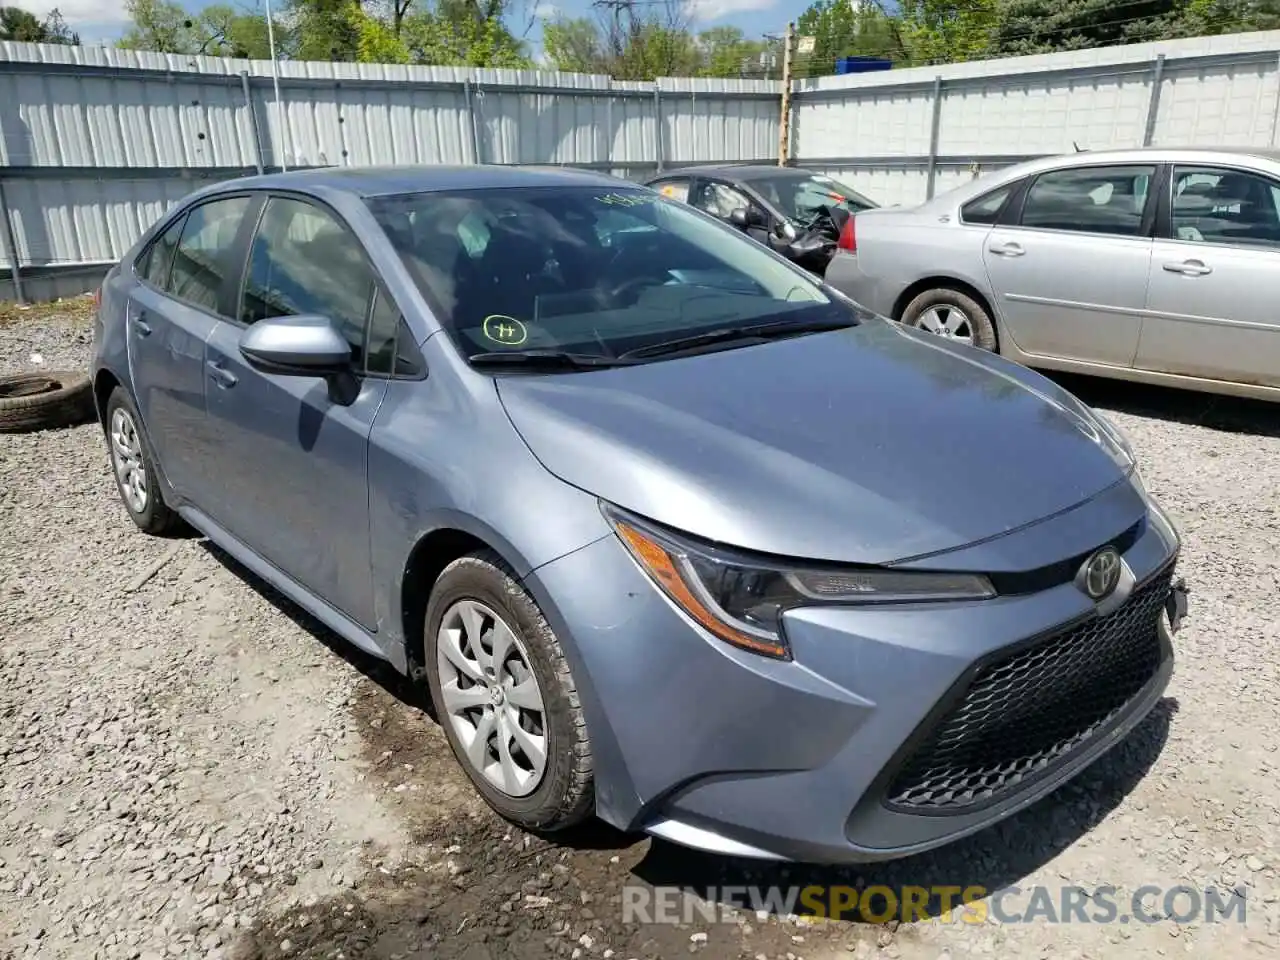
x=600 y=271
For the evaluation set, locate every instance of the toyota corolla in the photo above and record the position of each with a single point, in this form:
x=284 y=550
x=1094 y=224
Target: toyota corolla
x=675 y=534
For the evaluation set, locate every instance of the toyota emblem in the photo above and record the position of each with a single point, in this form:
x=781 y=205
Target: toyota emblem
x=1100 y=573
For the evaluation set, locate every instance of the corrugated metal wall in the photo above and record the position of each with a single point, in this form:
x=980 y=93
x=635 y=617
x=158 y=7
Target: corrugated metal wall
x=97 y=142
x=883 y=133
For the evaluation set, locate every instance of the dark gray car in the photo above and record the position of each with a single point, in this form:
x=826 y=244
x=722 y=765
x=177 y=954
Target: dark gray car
x=798 y=213
x=673 y=533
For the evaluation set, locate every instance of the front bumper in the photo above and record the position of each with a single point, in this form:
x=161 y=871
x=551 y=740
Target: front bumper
x=715 y=748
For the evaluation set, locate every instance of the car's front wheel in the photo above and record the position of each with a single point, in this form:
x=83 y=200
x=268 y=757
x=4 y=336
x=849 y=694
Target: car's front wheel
x=949 y=313
x=505 y=696
x=133 y=467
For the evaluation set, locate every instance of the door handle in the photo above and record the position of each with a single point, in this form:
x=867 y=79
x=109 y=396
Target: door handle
x=1189 y=268
x=143 y=328
x=1009 y=249
x=220 y=374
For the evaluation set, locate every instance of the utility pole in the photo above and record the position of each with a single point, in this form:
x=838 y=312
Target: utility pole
x=784 y=121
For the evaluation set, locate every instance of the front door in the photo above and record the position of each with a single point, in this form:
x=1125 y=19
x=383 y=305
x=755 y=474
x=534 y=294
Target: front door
x=294 y=457
x=720 y=200
x=171 y=313
x=1213 y=302
x=1070 y=275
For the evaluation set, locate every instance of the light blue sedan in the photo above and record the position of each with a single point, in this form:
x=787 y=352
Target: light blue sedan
x=675 y=534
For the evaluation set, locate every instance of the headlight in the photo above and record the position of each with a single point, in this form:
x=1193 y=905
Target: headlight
x=741 y=601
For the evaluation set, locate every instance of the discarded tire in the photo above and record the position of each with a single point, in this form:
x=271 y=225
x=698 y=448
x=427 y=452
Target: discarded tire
x=36 y=401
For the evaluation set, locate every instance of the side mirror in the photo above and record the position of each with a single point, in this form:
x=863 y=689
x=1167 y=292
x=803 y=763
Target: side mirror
x=740 y=218
x=302 y=346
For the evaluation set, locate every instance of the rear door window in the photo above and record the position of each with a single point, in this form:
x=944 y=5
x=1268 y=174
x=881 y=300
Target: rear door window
x=202 y=260
x=155 y=263
x=1110 y=199
x=1216 y=205
x=985 y=210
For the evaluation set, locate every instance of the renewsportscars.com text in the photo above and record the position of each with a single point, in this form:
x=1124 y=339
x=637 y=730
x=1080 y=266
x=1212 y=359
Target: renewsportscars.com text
x=972 y=904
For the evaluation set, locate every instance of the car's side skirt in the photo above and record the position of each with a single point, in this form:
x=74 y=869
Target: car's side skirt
x=332 y=618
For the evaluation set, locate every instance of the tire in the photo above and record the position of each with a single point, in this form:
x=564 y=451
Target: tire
x=563 y=796
x=152 y=515
x=946 y=302
x=38 y=401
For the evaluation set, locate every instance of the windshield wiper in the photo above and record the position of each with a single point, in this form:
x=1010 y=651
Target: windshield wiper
x=748 y=333
x=561 y=359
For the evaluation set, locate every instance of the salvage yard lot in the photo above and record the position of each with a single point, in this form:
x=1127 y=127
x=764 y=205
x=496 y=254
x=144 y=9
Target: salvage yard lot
x=191 y=767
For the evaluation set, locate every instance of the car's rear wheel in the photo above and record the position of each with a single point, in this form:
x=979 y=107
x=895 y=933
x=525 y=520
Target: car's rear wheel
x=949 y=313
x=505 y=696
x=133 y=467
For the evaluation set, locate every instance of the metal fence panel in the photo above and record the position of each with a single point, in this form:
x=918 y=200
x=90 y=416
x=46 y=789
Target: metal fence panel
x=96 y=142
x=876 y=131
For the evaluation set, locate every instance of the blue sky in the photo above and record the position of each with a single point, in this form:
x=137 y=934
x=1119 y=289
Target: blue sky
x=104 y=20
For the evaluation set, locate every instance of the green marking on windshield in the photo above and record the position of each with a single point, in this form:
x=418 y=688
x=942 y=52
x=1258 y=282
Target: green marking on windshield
x=506 y=330
x=624 y=200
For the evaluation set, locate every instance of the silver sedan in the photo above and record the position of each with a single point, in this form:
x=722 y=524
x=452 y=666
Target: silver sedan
x=1155 y=265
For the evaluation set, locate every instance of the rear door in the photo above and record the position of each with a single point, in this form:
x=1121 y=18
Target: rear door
x=1070 y=271
x=295 y=458
x=172 y=311
x=1213 y=303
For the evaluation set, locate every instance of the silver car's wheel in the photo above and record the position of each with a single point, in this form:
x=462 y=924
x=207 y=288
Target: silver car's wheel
x=126 y=459
x=947 y=320
x=491 y=697
x=953 y=315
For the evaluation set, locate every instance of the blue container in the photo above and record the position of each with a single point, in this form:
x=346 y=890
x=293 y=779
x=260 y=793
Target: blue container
x=861 y=64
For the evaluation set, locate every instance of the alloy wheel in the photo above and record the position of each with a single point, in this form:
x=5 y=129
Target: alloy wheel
x=126 y=458
x=949 y=321
x=491 y=698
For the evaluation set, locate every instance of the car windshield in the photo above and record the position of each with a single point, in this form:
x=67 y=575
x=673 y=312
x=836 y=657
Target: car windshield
x=801 y=198
x=591 y=271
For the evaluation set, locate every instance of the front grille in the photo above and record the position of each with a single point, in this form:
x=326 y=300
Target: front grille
x=1022 y=713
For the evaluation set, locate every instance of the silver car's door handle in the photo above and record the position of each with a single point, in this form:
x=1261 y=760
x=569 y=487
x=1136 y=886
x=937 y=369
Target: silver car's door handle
x=1009 y=249
x=143 y=328
x=220 y=374
x=1189 y=268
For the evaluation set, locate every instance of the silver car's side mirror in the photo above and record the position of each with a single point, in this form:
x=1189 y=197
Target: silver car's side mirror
x=306 y=346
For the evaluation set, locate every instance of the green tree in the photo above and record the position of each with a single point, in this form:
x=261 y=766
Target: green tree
x=575 y=45
x=464 y=42
x=1038 y=26
x=726 y=52
x=23 y=26
x=838 y=30
x=948 y=31
x=327 y=29
x=219 y=30
x=454 y=33
x=630 y=44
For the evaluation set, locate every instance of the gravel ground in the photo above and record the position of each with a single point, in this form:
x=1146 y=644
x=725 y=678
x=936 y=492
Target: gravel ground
x=193 y=768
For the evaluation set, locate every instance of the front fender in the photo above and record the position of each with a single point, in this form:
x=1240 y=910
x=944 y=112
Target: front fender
x=444 y=456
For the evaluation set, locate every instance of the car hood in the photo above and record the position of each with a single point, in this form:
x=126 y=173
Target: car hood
x=867 y=445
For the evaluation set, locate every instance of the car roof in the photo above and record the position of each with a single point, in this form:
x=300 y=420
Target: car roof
x=373 y=181
x=994 y=178
x=745 y=172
